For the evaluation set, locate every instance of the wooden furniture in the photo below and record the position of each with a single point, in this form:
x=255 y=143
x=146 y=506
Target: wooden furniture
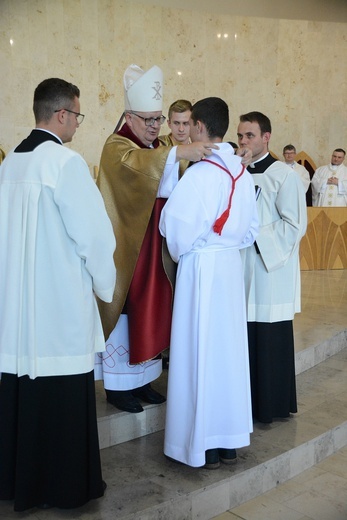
x=305 y=160
x=324 y=245
x=2 y=155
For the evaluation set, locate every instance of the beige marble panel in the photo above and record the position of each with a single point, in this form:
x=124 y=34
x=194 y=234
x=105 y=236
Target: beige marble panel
x=290 y=69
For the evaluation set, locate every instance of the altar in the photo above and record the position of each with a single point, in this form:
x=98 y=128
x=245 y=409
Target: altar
x=324 y=245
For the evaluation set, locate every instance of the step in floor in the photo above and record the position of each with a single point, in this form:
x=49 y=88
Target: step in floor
x=320 y=331
x=116 y=427
x=319 y=493
x=144 y=485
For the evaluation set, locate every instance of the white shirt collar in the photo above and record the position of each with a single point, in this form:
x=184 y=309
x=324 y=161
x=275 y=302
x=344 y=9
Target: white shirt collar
x=258 y=160
x=48 y=132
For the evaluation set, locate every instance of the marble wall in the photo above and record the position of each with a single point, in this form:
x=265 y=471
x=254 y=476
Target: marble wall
x=292 y=70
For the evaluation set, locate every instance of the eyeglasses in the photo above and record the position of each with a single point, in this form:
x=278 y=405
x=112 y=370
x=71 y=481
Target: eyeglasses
x=79 y=116
x=149 y=121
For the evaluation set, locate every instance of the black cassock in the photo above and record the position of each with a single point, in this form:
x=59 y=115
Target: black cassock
x=49 y=446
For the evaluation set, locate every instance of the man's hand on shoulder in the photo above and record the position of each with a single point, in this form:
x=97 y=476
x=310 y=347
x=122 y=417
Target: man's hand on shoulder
x=195 y=151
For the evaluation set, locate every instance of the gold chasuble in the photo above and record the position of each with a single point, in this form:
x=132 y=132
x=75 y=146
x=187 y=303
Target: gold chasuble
x=128 y=179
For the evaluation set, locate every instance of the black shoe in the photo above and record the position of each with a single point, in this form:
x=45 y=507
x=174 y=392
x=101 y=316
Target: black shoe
x=147 y=394
x=212 y=459
x=124 y=400
x=226 y=455
x=44 y=506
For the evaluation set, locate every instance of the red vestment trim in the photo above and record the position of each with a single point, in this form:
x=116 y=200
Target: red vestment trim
x=149 y=300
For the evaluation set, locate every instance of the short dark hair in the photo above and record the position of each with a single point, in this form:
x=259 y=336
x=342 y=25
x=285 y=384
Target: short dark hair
x=214 y=113
x=257 y=117
x=341 y=150
x=289 y=148
x=179 y=106
x=53 y=94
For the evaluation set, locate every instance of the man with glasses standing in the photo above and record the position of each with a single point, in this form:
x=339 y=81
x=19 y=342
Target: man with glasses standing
x=56 y=253
x=137 y=174
x=289 y=153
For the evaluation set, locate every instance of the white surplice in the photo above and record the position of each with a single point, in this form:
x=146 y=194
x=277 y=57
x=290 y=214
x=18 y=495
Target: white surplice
x=272 y=278
x=327 y=195
x=57 y=244
x=303 y=173
x=208 y=402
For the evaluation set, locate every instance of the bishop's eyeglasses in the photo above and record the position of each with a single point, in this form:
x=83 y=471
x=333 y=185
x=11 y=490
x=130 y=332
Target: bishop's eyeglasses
x=149 y=121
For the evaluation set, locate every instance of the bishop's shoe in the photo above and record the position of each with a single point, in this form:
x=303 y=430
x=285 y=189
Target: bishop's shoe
x=124 y=400
x=147 y=394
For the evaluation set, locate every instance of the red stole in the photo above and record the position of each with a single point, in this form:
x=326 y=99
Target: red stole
x=149 y=299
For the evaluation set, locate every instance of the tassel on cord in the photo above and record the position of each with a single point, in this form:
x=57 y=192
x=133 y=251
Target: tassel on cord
x=219 y=224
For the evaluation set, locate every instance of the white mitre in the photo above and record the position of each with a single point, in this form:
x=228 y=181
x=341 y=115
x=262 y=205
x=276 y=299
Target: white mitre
x=143 y=91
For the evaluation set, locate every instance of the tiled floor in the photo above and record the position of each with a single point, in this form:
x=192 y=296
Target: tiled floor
x=144 y=485
x=319 y=493
x=323 y=307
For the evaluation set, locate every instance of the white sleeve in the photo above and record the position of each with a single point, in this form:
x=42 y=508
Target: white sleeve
x=342 y=187
x=279 y=239
x=170 y=176
x=183 y=219
x=84 y=215
x=318 y=184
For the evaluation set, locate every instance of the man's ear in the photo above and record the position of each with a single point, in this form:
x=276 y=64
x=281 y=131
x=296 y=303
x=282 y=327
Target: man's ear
x=266 y=137
x=128 y=119
x=61 y=116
